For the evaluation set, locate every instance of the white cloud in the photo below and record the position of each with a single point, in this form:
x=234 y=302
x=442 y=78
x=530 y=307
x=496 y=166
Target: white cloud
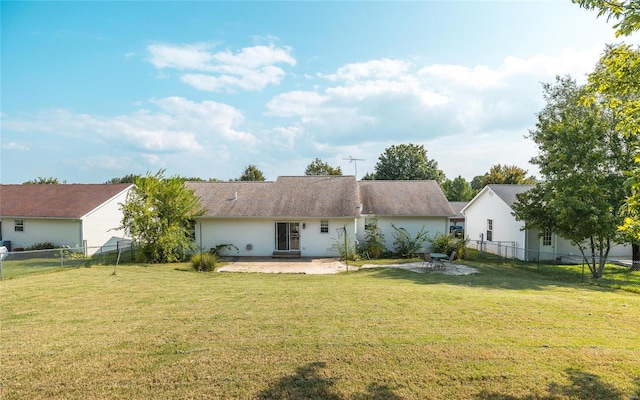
x=15 y=146
x=251 y=68
x=179 y=125
x=374 y=69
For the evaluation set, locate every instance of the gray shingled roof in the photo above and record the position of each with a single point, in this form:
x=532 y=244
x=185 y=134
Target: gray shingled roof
x=508 y=192
x=288 y=196
x=404 y=198
x=55 y=201
x=321 y=196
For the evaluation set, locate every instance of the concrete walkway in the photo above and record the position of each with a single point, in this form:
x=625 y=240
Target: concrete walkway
x=270 y=265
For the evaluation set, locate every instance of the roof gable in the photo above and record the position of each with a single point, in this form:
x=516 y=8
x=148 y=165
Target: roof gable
x=55 y=201
x=505 y=192
x=404 y=198
x=508 y=193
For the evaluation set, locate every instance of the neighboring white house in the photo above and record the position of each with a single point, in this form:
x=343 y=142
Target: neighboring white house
x=78 y=215
x=309 y=215
x=490 y=223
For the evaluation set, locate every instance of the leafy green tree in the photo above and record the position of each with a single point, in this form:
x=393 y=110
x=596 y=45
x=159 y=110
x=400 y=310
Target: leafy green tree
x=252 y=173
x=627 y=12
x=158 y=214
x=458 y=189
x=319 y=167
x=581 y=157
x=407 y=162
x=129 y=178
x=476 y=183
x=507 y=175
x=43 y=181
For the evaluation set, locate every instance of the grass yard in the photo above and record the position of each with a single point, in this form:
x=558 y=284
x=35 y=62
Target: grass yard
x=167 y=332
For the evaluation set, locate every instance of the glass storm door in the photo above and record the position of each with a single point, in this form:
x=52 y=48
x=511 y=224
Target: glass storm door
x=287 y=236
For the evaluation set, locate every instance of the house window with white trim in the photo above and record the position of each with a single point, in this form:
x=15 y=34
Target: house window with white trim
x=324 y=226
x=18 y=225
x=489 y=230
x=546 y=238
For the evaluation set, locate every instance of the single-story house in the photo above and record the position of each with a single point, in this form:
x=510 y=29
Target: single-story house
x=490 y=223
x=309 y=215
x=83 y=216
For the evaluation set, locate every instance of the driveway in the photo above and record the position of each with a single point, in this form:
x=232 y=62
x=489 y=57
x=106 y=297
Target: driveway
x=321 y=266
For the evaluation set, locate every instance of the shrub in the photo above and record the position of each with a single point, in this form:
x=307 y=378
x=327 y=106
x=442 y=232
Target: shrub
x=406 y=246
x=205 y=262
x=447 y=244
x=374 y=242
x=42 y=246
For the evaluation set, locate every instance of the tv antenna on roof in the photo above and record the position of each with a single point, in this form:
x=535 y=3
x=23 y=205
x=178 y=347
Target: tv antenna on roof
x=355 y=163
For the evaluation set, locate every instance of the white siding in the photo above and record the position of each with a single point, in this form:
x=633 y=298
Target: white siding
x=260 y=234
x=60 y=232
x=99 y=226
x=488 y=205
x=432 y=225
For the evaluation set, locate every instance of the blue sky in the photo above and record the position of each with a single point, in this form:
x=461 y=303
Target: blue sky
x=96 y=90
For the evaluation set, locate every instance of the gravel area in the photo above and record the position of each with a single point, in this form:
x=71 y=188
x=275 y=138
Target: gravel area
x=270 y=265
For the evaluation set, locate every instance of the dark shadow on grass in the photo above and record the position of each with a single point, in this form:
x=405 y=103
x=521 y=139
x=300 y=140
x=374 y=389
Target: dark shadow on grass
x=308 y=383
x=582 y=385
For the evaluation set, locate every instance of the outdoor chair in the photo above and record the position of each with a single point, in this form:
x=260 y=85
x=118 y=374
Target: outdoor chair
x=429 y=262
x=450 y=260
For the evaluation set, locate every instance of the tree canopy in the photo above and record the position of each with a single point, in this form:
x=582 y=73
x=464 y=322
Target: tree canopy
x=319 y=167
x=626 y=12
x=458 y=189
x=252 y=173
x=508 y=175
x=43 y=181
x=581 y=157
x=407 y=162
x=159 y=214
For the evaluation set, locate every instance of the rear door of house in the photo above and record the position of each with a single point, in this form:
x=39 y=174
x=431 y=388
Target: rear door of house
x=287 y=236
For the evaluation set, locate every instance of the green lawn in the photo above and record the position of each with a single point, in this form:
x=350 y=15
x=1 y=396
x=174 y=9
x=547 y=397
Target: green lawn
x=167 y=332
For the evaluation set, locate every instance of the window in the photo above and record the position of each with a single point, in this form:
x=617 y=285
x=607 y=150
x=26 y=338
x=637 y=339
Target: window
x=489 y=230
x=324 y=226
x=18 y=225
x=370 y=224
x=546 y=238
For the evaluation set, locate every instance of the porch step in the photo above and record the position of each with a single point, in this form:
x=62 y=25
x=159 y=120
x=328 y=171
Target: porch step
x=286 y=254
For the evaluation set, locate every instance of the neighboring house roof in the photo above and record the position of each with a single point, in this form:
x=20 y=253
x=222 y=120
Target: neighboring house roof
x=457 y=208
x=55 y=201
x=404 y=198
x=507 y=193
x=288 y=196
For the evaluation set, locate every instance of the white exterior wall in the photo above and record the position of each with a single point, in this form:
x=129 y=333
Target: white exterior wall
x=432 y=225
x=260 y=234
x=60 y=232
x=506 y=228
x=99 y=226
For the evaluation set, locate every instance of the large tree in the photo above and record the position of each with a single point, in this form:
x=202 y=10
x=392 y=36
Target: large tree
x=458 y=189
x=158 y=214
x=581 y=158
x=626 y=12
x=319 y=167
x=252 y=173
x=407 y=162
x=508 y=175
x=43 y=181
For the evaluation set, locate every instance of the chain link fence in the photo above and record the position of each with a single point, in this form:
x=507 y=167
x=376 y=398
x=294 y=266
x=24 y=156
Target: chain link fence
x=19 y=263
x=618 y=273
